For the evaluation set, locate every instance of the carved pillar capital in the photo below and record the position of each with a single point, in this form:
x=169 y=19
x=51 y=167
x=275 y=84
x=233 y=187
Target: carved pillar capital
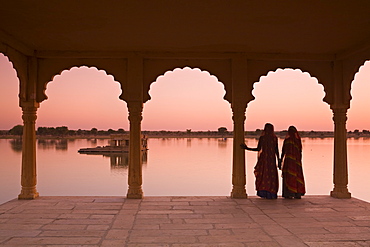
x=340 y=115
x=135 y=109
x=29 y=113
x=238 y=114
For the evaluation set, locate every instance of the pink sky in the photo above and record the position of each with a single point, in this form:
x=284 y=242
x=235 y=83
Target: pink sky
x=85 y=98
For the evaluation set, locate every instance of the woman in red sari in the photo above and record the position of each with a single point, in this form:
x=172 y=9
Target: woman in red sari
x=293 y=180
x=266 y=173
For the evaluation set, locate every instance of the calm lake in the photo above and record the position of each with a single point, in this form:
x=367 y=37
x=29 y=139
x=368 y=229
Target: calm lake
x=172 y=166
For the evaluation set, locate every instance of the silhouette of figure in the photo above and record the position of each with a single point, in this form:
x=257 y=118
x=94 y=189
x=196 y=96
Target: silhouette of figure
x=293 y=180
x=266 y=173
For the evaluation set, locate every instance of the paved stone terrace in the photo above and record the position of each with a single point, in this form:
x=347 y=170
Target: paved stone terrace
x=185 y=221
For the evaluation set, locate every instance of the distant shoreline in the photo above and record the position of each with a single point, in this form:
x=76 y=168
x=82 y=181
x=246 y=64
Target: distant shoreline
x=161 y=134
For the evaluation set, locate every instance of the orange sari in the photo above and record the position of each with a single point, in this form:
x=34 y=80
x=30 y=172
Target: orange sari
x=293 y=179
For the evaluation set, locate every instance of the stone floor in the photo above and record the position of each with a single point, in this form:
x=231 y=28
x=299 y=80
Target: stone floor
x=185 y=221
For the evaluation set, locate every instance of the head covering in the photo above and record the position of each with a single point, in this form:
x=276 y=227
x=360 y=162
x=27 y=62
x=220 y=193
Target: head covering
x=268 y=130
x=292 y=132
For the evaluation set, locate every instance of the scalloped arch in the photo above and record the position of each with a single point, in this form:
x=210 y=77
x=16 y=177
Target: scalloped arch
x=48 y=70
x=178 y=68
x=352 y=65
x=353 y=70
x=219 y=68
x=322 y=71
x=19 y=64
x=358 y=66
x=12 y=62
x=303 y=72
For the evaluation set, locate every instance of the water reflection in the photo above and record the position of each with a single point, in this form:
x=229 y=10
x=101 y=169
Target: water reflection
x=16 y=145
x=57 y=144
x=119 y=160
x=48 y=144
x=165 y=141
x=222 y=142
x=171 y=168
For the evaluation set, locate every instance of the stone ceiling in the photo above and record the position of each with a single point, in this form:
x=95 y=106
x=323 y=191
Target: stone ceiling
x=330 y=27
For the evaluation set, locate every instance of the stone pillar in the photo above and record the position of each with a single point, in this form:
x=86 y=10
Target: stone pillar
x=135 y=191
x=238 y=176
x=28 y=177
x=340 y=175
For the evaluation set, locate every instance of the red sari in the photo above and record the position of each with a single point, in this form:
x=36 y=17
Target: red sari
x=293 y=180
x=266 y=173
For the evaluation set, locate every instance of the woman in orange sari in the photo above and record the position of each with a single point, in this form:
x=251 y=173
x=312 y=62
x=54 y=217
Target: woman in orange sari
x=293 y=180
x=266 y=173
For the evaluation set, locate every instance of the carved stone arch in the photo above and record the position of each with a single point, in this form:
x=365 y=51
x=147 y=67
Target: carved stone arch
x=321 y=70
x=50 y=67
x=221 y=68
x=350 y=68
x=20 y=64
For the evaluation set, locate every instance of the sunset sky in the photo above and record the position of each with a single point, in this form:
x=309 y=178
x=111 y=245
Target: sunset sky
x=85 y=98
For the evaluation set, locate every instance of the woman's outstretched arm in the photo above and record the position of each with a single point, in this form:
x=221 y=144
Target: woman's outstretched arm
x=258 y=148
x=248 y=148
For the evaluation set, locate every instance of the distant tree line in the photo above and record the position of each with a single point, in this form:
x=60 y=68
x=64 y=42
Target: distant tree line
x=63 y=131
x=222 y=132
x=359 y=132
x=16 y=130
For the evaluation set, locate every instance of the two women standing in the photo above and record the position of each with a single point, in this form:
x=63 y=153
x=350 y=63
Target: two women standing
x=266 y=173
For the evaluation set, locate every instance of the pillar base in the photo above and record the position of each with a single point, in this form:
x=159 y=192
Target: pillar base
x=340 y=194
x=135 y=193
x=28 y=194
x=239 y=193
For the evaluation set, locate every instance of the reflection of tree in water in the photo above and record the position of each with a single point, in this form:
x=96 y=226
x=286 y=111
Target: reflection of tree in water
x=62 y=144
x=16 y=145
x=57 y=144
x=92 y=141
x=188 y=142
x=222 y=142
